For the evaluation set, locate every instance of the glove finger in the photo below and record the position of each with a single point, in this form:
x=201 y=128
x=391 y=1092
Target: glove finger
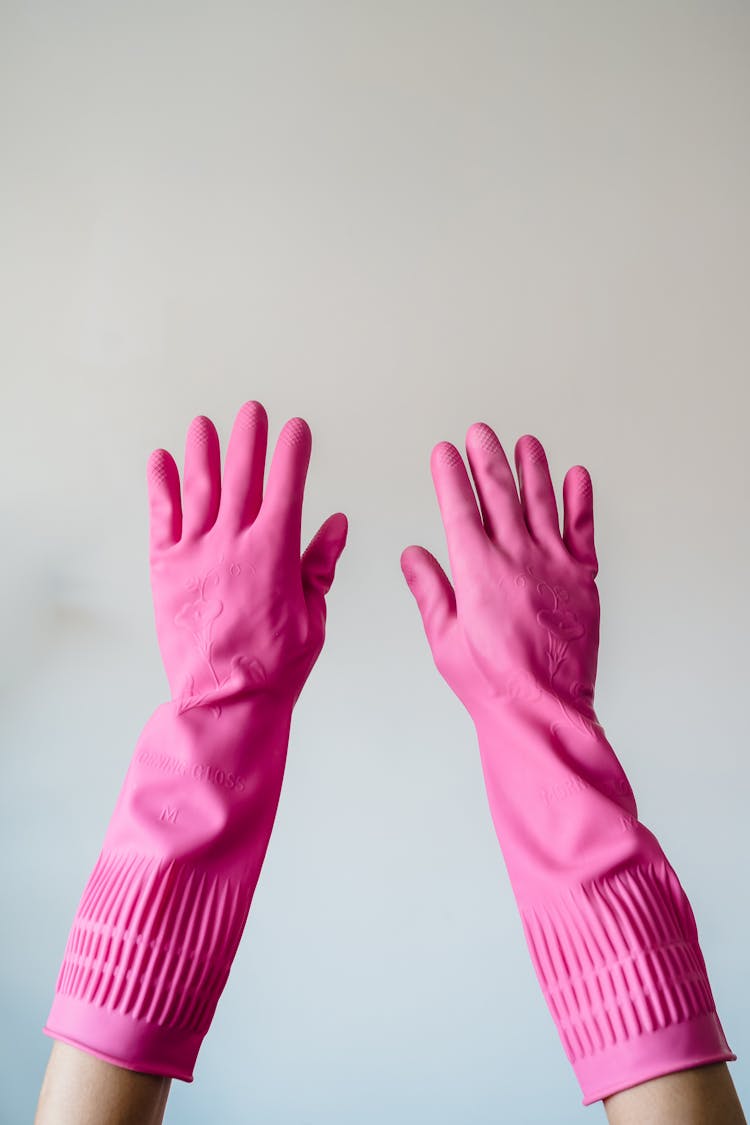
x=319 y=560
x=537 y=492
x=201 y=484
x=244 y=465
x=462 y=521
x=496 y=486
x=431 y=588
x=282 y=504
x=165 y=511
x=578 y=508
x=318 y=563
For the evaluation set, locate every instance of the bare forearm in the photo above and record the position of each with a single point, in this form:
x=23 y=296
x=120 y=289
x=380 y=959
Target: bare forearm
x=704 y=1095
x=80 y=1089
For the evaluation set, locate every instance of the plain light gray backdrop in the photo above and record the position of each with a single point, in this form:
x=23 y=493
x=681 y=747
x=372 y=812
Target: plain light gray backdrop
x=395 y=219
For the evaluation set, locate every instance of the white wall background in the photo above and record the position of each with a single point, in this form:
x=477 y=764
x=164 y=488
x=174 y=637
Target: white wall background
x=393 y=218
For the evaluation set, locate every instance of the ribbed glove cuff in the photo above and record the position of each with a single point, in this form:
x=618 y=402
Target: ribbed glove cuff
x=146 y=961
x=623 y=975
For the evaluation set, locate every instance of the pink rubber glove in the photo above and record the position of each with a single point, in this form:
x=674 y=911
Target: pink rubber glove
x=240 y=620
x=611 y=933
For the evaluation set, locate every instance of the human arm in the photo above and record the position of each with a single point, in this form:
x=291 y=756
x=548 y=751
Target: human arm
x=703 y=1095
x=82 y=1089
x=609 y=927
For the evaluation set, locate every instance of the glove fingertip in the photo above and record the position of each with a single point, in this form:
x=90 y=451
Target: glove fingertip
x=409 y=563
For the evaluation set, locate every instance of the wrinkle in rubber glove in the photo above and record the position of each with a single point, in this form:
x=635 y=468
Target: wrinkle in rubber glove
x=240 y=620
x=608 y=925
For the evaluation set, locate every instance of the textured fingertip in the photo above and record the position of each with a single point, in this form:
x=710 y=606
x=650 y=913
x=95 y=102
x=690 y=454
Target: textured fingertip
x=163 y=486
x=445 y=453
x=578 y=490
x=296 y=432
x=158 y=466
x=530 y=446
x=251 y=414
x=482 y=437
x=407 y=563
x=202 y=430
x=582 y=481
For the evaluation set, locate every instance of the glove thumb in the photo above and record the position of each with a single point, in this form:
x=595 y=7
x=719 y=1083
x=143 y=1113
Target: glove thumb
x=431 y=588
x=318 y=563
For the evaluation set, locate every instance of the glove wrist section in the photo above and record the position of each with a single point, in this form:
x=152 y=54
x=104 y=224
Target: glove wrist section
x=610 y=930
x=163 y=912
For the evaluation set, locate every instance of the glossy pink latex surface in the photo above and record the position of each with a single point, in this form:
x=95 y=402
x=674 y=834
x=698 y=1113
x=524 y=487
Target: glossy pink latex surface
x=240 y=620
x=609 y=927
